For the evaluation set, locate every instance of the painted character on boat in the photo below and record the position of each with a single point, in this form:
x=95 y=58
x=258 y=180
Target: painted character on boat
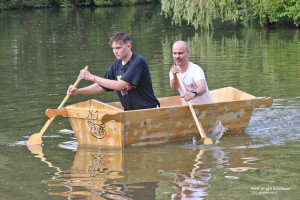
x=191 y=75
x=129 y=75
x=97 y=130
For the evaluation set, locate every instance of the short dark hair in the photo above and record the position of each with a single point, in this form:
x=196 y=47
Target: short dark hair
x=120 y=36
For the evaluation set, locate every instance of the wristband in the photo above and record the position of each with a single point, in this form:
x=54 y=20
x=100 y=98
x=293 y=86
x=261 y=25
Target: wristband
x=195 y=92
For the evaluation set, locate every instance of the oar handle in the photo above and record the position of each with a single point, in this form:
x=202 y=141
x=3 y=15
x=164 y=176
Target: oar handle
x=74 y=86
x=199 y=126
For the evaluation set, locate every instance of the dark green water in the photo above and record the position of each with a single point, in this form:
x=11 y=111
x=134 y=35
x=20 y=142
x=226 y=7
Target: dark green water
x=41 y=54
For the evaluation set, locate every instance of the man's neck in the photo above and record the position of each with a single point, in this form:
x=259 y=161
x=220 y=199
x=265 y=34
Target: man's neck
x=184 y=67
x=125 y=60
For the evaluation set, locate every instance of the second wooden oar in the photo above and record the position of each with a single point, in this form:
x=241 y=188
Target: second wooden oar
x=207 y=141
x=37 y=137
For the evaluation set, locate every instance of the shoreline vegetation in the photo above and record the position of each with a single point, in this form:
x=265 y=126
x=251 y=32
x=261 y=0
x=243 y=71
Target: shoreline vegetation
x=24 y=4
x=199 y=14
x=202 y=14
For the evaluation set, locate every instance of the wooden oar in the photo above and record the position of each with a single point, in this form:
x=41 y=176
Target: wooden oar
x=207 y=141
x=37 y=137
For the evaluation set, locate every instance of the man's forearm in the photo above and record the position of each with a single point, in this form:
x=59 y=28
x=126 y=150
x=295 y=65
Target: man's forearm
x=174 y=83
x=111 y=84
x=91 y=89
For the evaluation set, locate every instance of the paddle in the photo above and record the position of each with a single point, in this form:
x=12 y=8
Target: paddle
x=207 y=141
x=37 y=137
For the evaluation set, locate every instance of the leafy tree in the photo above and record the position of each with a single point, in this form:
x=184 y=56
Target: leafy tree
x=9 y=4
x=202 y=13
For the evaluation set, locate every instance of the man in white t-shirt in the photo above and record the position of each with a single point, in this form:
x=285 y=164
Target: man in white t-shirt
x=191 y=74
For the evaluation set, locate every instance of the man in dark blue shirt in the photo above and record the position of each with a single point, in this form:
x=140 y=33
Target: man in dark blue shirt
x=129 y=75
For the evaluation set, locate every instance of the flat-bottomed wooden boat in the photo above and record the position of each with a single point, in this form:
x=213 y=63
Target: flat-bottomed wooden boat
x=108 y=125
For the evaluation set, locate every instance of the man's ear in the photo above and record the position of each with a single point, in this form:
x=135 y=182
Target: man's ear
x=129 y=45
x=189 y=52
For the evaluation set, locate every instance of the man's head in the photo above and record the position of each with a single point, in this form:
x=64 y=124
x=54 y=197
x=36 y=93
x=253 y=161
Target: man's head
x=121 y=37
x=181 y=53
x=121 y=45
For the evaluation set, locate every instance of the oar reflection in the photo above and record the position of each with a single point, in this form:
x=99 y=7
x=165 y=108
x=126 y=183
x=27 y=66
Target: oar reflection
x=174 y=172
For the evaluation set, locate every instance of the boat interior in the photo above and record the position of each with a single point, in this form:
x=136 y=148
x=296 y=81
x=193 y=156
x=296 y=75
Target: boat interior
x=218 y=95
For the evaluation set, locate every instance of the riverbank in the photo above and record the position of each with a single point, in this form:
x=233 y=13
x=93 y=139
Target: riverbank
x=18 y=4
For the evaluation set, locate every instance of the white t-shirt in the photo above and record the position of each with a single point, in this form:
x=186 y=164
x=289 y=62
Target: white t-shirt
x=189 y=78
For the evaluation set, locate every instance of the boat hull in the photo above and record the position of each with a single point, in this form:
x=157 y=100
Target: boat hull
x=107 y=125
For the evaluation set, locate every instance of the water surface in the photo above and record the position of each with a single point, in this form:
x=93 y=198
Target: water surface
x=42 y=52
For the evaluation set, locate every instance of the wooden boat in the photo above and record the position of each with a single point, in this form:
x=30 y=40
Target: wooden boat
x=108 y=125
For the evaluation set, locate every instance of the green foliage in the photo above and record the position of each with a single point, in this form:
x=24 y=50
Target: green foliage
x=64 y=3
x=82 y=2
x=102 y=2
x=202 y=13
x=6 y=4
x=9 y=4
x=122 y=2
x=283 y=10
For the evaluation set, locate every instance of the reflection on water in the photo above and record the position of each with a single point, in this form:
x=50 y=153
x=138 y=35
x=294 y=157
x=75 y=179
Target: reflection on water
x=92 y=175
x=37 y=150
x=125 y=174
x=195 y=185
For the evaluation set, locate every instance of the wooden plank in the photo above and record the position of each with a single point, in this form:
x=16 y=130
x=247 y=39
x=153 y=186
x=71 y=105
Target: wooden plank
x=170 y=101
x=94 y=104
x=234 y=115
x=229 y=94
x=88 y=113
x=164 y=102
x=116 y=105
x=94 y=132
x=183 y=124
x=86 y=121
x=144 y=127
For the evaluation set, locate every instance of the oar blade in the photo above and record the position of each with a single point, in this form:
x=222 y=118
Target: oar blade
x=37 y=137
x=208 y=141
x=34 y=139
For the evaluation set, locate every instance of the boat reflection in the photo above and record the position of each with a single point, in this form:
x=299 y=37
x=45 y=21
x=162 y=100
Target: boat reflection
x=174 y=172
x=94 y=174
x=123 y=174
